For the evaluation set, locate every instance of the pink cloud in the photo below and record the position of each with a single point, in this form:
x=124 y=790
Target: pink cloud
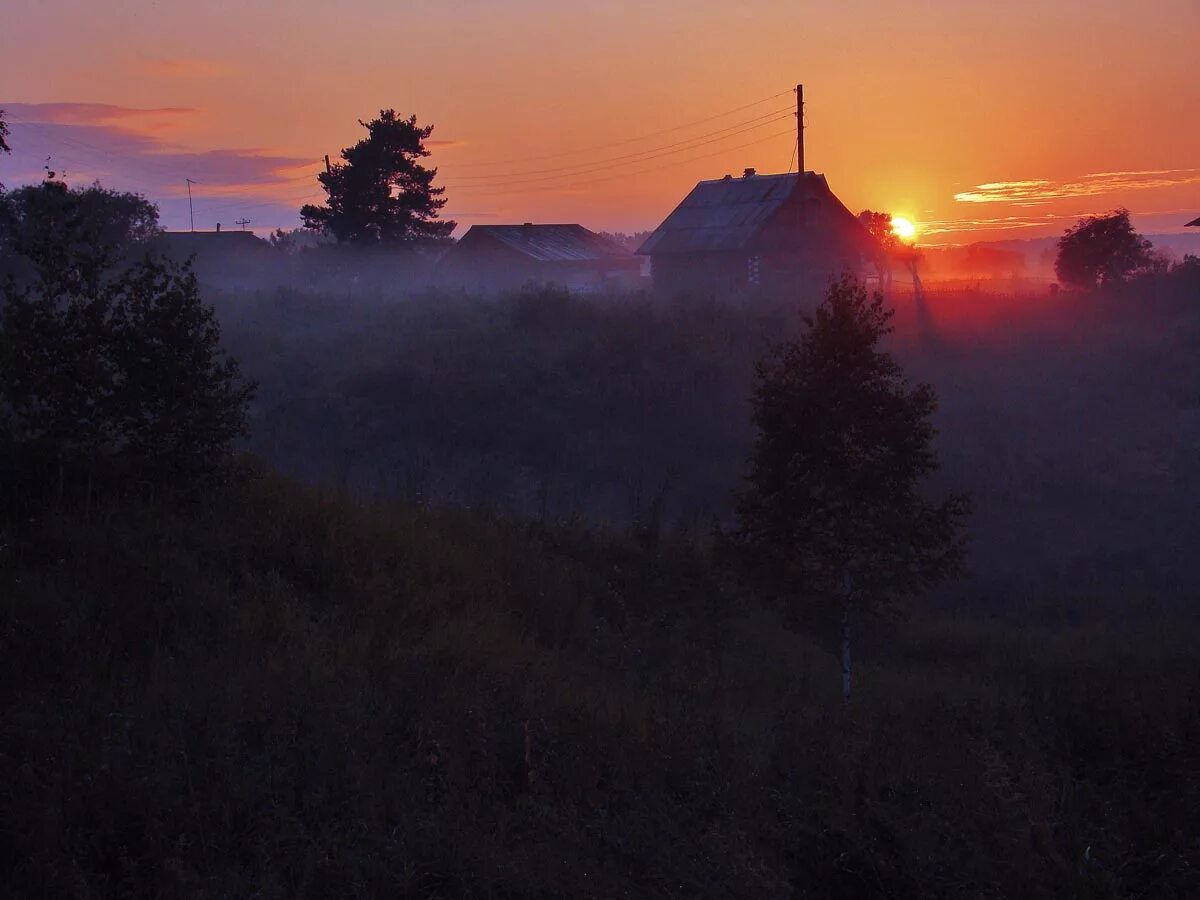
x=186 y=68
x=1039 y=191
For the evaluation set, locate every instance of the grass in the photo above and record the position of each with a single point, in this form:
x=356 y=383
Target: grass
x=278 y=692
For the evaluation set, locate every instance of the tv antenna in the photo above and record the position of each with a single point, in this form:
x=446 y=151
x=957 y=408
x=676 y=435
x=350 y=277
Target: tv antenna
x=242 y=222
x=191 y=213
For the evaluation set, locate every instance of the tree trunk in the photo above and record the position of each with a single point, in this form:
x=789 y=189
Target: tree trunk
x=846 y=653
x=846 y=667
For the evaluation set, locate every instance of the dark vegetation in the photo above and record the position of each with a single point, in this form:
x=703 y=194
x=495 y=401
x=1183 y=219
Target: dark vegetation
x=505 y=657
x=380 y=194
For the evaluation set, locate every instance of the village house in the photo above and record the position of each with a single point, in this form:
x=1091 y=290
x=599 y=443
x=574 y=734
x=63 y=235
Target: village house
x=499 y=257
x=757 y=232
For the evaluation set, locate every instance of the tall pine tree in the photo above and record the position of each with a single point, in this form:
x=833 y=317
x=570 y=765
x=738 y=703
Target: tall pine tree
x=380 y=193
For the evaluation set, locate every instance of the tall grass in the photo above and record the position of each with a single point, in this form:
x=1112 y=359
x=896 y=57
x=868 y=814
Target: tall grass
x=283 y=692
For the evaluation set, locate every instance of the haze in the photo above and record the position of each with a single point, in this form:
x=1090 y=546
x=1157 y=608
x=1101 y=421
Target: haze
x=974 y=121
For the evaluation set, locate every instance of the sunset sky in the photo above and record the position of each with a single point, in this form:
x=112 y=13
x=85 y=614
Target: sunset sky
x=974 y=120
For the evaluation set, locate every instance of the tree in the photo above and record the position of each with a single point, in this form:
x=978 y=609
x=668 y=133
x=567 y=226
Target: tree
x=1102 y=250
x=879 y=227
x=69 y=239
x=102 y=366
x=381 y=194
x=831 y=510
x=4 y=148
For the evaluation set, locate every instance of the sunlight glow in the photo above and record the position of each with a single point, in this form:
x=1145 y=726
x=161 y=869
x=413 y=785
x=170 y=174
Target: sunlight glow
x=903 y=228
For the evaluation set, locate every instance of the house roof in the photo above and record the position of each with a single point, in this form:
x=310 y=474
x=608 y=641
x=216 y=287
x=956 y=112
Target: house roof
x=1194 y=222
x=550 y=243
x=729 y=213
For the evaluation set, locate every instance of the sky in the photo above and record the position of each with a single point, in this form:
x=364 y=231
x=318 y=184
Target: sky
x=977 y=121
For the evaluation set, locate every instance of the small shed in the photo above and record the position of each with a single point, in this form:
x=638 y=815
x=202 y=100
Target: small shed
x=498 y=257
x=756 y=231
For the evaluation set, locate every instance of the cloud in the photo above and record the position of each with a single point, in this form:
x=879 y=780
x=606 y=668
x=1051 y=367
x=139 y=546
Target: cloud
x=126 y=148
x=186 y=68
x=1040 y=191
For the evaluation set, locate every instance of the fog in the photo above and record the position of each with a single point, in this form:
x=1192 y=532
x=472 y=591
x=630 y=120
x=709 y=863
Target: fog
x=1072 y=419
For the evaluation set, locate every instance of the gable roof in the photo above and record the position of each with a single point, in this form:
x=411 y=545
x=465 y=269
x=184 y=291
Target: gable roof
x=1194 y=222
x=729 y=213
x=549 y=243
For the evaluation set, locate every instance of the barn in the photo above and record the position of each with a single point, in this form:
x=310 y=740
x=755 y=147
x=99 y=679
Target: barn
x=766 y=232
x=498 y=257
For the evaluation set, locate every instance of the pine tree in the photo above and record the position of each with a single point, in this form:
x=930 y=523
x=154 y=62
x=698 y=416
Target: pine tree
x=380 y=193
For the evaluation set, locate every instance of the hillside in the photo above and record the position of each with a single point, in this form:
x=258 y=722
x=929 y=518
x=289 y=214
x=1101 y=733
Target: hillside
x=279 y=693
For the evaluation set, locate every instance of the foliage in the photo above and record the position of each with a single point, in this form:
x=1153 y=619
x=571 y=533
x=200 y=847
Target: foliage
x=280 y=693
x=381 y=194
x=1102 y=250
x=128 y=373
x=832 y=496
x=4 y=148
x=70 y=239
x=879 y=227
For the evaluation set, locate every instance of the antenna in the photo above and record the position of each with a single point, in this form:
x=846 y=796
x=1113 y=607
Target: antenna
x=242 y=222
x=191 y=214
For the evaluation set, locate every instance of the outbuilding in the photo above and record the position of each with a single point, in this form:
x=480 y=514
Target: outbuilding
x=498 y=257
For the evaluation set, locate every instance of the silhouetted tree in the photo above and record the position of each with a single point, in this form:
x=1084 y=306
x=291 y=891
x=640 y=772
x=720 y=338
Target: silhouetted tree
x=70 y=238
x=879 y=227
x=832 y=509
x=1101 y=250
x=100 y=365
x=4 y=148
x=381 y=194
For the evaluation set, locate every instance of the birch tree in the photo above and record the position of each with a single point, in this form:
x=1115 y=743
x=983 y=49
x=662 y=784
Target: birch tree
x=832 y=510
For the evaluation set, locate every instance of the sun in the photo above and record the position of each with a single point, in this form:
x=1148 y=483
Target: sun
x=903 y=228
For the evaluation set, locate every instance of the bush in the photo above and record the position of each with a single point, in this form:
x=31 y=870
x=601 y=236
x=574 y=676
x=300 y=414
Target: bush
x=125 y=376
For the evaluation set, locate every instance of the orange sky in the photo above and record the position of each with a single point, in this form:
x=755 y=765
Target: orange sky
x=1060 y=107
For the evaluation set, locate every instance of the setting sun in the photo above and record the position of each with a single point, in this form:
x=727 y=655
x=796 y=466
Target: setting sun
x=903 y=228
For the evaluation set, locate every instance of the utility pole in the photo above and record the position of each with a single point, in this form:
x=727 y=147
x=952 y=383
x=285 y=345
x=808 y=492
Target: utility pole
x=328 y=168
x=800 y=129
x=191 y=213
x=242 y=222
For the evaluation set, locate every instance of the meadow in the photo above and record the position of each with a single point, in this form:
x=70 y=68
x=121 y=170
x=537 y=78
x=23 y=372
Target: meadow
x=455 y=624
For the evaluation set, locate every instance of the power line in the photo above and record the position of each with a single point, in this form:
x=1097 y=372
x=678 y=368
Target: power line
x=644 y=158
x=630 y=140
x=771 y=117
x=669 y=165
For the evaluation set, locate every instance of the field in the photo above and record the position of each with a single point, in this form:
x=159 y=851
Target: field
x=279 y=692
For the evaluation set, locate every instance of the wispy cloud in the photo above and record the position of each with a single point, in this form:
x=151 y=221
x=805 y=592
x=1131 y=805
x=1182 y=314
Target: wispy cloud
x=186 y=68
x=131 y=149
x=1040 y=191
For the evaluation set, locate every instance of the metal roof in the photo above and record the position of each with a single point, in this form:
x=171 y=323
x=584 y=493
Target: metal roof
x=728 y=213
x=551 y=243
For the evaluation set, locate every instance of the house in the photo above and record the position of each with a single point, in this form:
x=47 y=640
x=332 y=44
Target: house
x=757 y=231
x=497 y=257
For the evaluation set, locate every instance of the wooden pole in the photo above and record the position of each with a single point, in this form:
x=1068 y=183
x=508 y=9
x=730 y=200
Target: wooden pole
x=800 y=129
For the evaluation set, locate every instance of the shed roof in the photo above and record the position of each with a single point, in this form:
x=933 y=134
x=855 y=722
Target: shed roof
x=551 y=243
x=728 y=213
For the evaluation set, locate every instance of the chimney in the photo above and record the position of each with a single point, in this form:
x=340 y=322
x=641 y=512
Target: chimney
x=749 y=173
x=218 y=228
